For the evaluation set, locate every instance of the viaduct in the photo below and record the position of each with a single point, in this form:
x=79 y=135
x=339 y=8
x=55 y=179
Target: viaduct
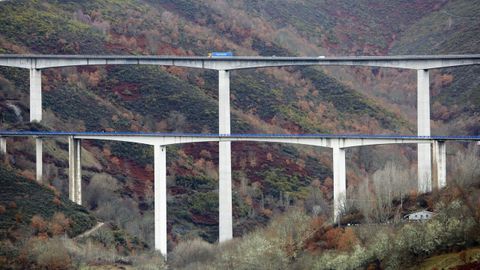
x=224 y=65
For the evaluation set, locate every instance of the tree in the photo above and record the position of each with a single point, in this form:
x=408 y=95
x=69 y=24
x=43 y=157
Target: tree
x=389 y=183
x=315 y=203
x=374 y=198
x=467 y=166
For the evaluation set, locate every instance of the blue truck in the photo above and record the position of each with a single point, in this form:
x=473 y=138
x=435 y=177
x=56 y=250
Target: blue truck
x=220 y=54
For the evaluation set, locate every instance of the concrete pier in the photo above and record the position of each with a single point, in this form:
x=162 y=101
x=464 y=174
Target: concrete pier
x=39 y=159
x=36 y=115
x=338 y=143
x=75 y=170
x=421 y=63
x=423 y=129
x=3 y=149
x=225 y=163
x=440 y=163
x=160 y=198
x=3 y=146
x=35 y=95
x=339 y=182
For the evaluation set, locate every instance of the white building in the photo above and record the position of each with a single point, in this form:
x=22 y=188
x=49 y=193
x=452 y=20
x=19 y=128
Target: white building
x=420 y=215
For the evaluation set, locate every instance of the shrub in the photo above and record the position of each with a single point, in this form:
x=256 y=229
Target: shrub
x=255 y=251
x=46 y=254
x=290 y=231
x=466 y=166
x=192 y=253
x=57 y=201
x=105 y=237
x=347 y=240
x=59 y=224
x=38 y=224
x=12 y=205
x=354 y=260
x=149 y=261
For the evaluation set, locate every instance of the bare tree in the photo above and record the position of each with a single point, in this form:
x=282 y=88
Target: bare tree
x=466 y=166
x=374 y=197
x=101 y=189
x=315 y=203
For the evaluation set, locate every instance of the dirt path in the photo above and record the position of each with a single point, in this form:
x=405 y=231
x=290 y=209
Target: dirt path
x=92 y=230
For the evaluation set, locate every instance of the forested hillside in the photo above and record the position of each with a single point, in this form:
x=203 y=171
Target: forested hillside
x=269 y=178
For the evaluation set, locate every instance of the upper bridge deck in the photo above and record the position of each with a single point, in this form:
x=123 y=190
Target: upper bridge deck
x=238 y=62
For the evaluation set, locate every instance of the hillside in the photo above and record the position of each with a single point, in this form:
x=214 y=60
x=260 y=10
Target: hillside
x=456 y=95
x=296 y=240
x=21 y=199
x=267 y=177
x=37 y=224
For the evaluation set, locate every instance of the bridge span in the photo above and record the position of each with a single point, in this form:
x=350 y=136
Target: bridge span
x=224 y=65
x=417 y=62
x=338 y=143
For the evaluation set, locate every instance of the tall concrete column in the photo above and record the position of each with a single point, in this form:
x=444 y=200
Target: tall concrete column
x=35 y=95
x=3 y=149
x=74 y=170
x=160 y=199
x=225 y=162
x=36 y=115
x=39 y=159
x=339 y=182
x=3 y=146
x=440 y=163
x=423 y=128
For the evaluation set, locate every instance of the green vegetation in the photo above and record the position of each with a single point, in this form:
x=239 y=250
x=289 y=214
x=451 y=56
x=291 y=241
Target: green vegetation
x=295 y=240
x=22 y=198
x=267 y=178
x=278 y=183
x=158 y=94
x=198 y=183
x=107 y=247
x=51 y=32
x=452 y=260
x=457 y=21
x=453 y=29
x=71 y=103
x=140 y=154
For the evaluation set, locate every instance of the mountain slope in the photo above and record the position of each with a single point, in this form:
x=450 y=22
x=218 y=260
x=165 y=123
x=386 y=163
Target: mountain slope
x=118 y=178
x=453 y=29
x=21 y=199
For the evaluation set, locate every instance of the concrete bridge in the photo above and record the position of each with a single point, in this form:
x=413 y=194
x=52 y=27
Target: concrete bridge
x=36 y=63
x=338 y=143
x=421 y=63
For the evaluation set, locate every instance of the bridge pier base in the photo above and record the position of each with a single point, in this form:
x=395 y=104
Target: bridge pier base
x=160 y=199
x=39 y=159
x=423 y=129
x=75 y=170
x=35 y=95
x=440 y=163
x=225 y=221
x=339 y=182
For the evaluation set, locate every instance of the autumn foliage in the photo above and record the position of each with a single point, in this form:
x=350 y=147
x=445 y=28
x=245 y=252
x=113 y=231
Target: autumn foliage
x=58 y=225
